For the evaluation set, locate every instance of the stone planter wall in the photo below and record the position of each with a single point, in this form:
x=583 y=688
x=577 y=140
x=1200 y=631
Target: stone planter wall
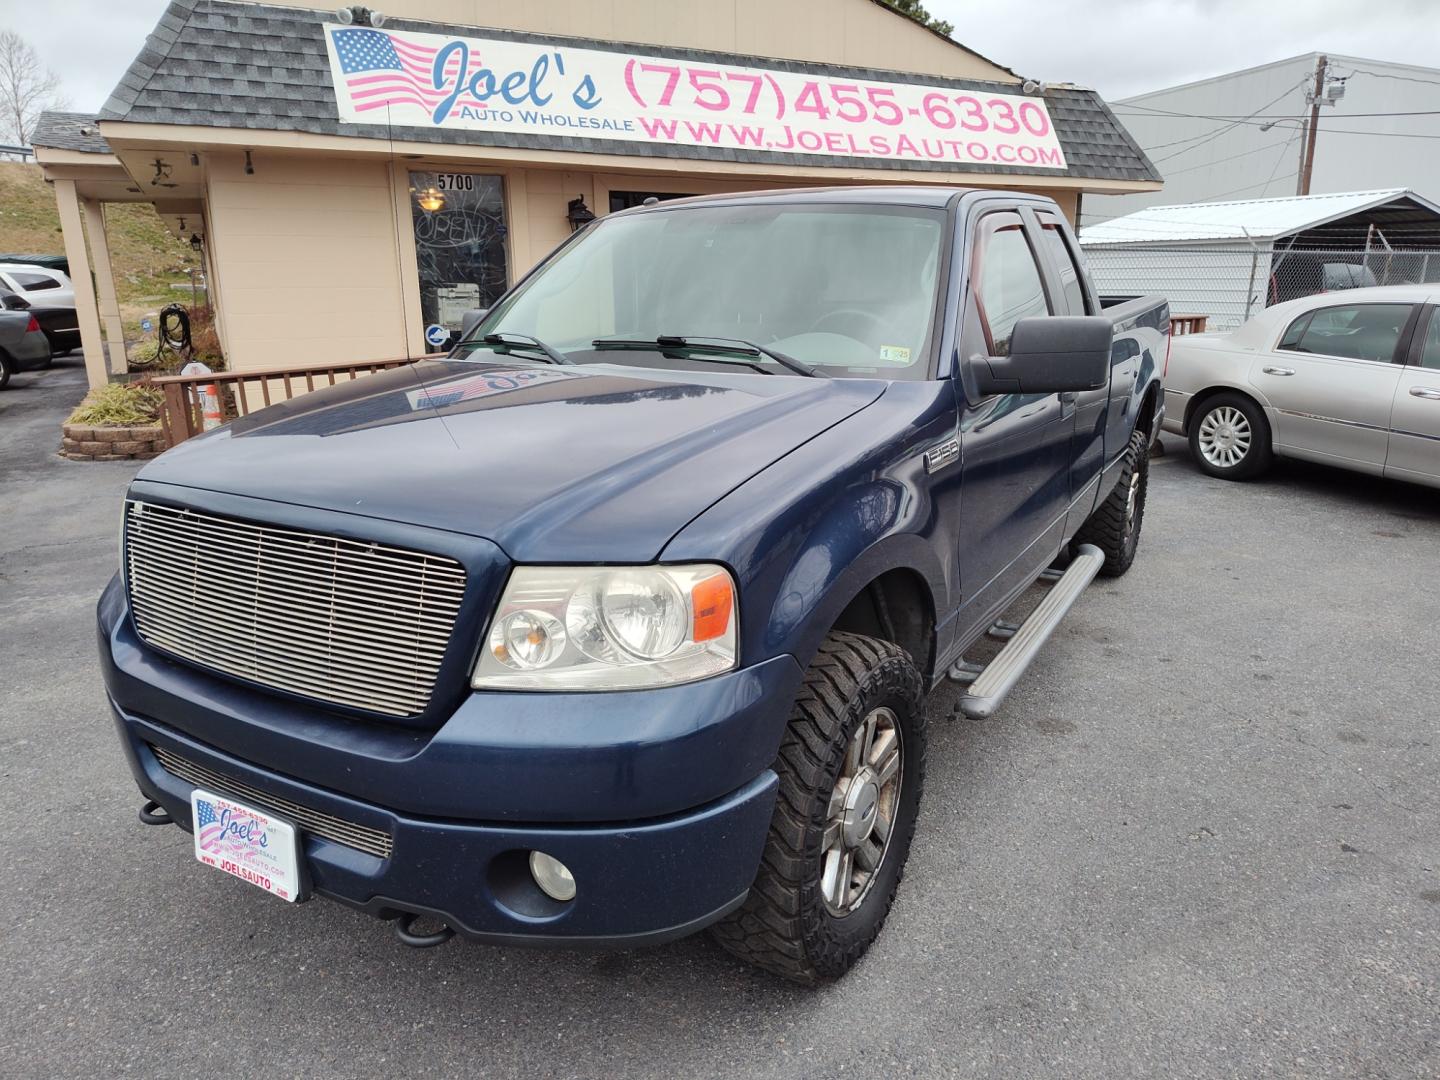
x=84 y=442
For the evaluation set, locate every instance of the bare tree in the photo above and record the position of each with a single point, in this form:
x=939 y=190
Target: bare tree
x=27 y=88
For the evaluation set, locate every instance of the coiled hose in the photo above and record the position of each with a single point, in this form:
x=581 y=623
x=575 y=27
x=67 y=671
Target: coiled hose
x=174 y=331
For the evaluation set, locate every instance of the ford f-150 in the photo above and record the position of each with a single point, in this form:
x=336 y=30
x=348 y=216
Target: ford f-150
x=618 y=622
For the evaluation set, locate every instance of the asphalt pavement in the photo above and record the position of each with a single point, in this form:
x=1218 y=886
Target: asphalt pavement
x=1201 y=839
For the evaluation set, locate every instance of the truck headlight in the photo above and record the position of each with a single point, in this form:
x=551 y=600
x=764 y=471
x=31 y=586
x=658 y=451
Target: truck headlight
x=609 y=628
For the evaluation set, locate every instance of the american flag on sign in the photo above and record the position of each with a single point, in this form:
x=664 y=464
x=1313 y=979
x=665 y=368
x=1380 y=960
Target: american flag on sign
x=208 y=824
x=381 y=69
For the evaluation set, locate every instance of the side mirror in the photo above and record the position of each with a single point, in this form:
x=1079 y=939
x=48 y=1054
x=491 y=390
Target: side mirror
x=1050 y=354
x=470 y=320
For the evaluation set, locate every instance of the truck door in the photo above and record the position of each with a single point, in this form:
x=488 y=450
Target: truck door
x=1093 y=415
x=1415 y=419
x=1015 y=448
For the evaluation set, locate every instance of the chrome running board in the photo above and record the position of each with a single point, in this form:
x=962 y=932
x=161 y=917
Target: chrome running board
x=988 y=689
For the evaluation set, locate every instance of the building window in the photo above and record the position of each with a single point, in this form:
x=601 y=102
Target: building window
x=624 y=200
x=459 y=221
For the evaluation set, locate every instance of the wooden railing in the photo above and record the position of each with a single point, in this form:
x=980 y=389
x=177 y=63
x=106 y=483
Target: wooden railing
x=242 y=392
x=1187 y=324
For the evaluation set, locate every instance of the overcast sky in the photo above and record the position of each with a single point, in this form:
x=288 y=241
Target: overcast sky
x=1120 y=47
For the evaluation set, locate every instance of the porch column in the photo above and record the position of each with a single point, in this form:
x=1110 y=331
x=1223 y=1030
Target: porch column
x=105 y=284
x=86 y=311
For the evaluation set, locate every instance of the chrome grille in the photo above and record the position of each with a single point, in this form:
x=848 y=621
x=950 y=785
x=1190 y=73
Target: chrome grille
x=361 y=837
x=341 y=621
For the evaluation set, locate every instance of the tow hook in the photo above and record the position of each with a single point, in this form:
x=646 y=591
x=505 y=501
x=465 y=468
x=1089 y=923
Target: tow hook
x=404 y=930
x=152 y=813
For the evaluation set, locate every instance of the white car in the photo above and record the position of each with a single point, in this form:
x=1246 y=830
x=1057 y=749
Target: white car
x=38 y=284
x=1348 y=378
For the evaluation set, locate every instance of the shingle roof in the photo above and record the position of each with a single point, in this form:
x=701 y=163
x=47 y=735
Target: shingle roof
x=69 y=131
x=1245 y=219
x=216 y=63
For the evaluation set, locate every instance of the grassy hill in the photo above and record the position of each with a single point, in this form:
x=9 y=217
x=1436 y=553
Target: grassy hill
x=145 y=257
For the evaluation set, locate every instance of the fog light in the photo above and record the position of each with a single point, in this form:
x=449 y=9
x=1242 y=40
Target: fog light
x=553 y=876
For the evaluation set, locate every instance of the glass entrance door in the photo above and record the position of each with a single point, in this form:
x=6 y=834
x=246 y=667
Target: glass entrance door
x=459 y=221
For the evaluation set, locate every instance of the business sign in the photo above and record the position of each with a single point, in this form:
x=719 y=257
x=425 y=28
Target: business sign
x=481 y=84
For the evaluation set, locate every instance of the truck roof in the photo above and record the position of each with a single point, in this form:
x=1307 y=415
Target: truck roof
x=873 y=194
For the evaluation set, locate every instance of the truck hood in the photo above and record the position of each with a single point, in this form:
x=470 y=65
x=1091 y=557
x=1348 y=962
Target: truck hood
x=589 y=463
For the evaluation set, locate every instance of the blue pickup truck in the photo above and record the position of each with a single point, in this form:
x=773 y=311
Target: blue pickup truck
x=619 y=621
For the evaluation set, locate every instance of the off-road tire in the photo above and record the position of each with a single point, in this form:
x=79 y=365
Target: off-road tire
x=784 y=926
x=1259 y=456
x=1114 y=527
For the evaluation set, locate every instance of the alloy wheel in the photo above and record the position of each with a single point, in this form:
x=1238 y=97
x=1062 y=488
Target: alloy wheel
x=1225 y=436
x=862 y=812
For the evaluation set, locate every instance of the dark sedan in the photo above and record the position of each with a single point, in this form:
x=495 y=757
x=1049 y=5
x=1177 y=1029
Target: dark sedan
x=22 y=345
x=59 y=323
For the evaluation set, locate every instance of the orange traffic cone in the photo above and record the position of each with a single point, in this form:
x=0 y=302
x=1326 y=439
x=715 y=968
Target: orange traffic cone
x=210 y=409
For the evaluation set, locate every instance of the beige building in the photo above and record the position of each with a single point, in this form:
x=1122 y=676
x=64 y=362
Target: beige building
x=355 y=187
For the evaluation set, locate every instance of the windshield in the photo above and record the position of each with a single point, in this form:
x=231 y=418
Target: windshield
x=848 y=290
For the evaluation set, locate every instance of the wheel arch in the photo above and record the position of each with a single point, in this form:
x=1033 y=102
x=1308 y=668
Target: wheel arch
x=1211 y=392
x=1145 y=419
x=895 y=606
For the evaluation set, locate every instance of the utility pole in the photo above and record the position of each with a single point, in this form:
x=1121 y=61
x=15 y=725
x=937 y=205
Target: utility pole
x=1307 y=157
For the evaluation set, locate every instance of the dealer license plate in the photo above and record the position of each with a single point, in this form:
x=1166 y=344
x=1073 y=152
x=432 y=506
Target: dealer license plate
x=250 y=844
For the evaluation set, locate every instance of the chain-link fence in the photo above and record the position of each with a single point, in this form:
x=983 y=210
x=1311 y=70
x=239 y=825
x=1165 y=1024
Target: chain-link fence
x=1231 y=283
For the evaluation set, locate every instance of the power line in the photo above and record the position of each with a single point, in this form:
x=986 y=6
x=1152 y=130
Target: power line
x=1257 y=115
x=1398 y=78
x=1339 y=131
x=1285 y=149
x=1232 y=157
x=1230 y=127
x=1189 y=138
x=1375 y=134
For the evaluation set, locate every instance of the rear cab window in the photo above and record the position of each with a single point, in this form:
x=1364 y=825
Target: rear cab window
x=1072 y=277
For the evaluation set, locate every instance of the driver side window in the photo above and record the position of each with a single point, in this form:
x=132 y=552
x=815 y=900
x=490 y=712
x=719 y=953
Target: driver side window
x=1008 y=286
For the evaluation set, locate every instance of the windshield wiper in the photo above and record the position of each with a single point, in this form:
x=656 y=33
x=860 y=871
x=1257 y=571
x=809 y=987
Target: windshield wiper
x=706 y=343
x=524 y=341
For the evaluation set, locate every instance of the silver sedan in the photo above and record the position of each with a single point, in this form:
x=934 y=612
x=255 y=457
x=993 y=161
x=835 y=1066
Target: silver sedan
x=1345 y=378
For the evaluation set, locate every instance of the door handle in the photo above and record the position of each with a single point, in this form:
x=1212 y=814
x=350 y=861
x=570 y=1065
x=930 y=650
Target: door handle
x=1431 y=393
x=1279 y=370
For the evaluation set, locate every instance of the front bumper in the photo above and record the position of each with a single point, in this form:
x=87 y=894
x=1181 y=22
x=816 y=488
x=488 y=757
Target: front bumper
x=658 y=801
x=639 y=883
